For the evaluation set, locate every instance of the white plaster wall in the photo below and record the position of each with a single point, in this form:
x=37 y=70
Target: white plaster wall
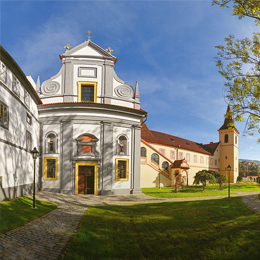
x=16 y=132
x=122 y=103
x=46 y=129
x=76 y=77
x=79 y=129
x=87 y=113
x=16 y=166
x=48 y=100
x=88 y=51
x=118 y=131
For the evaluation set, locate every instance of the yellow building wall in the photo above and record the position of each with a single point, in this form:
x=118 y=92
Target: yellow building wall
x=150 y=171
x=148 y=178
x=229 y=153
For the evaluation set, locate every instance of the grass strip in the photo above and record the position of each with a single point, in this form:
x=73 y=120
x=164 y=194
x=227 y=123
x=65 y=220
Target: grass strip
x=213 y=229
x=168 y=192
x=18 y=212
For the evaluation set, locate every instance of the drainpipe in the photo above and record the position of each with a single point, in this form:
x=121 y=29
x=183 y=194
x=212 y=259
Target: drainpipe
x=178 y=152
x=144 y=120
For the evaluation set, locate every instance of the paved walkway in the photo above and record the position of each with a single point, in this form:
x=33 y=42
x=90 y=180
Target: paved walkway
x=45 y=237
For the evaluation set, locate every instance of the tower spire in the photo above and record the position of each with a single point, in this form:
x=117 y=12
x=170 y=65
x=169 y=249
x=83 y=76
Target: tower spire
x=136 y=95
x=229 y=121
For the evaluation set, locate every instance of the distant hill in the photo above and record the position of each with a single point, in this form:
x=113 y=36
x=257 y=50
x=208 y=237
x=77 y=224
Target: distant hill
x=248 y=160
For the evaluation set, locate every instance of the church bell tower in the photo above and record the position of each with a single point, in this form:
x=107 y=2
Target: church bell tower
x=228 y=137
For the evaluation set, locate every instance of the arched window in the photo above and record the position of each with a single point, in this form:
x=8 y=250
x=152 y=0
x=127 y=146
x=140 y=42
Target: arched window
x=155 y=158
x=122 y=145
x=143 y=152
x=52 y=143
x=226 y=138
x=165 y=166
x=86 y=144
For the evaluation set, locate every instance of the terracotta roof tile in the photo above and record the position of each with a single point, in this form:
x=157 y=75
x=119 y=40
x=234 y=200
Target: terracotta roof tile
x=174 y=141
x=180 y=164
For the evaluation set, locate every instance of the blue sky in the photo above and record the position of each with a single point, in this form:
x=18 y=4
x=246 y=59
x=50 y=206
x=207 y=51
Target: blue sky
x=167 y=46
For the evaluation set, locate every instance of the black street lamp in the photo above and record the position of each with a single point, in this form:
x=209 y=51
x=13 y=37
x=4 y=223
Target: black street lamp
x=35 y=154
x=229 y=169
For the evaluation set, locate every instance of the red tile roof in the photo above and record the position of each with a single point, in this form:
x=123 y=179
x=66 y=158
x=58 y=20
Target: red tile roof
x=170 y=140
x=180 y=164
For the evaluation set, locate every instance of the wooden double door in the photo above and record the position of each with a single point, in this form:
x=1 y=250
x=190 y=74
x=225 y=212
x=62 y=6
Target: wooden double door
x=86 y=179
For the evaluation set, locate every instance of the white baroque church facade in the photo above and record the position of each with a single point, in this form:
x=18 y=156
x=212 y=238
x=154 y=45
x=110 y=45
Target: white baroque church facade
x=89 y=128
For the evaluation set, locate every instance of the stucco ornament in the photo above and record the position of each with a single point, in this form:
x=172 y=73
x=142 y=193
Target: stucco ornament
x=50 y=88
x=124 y=91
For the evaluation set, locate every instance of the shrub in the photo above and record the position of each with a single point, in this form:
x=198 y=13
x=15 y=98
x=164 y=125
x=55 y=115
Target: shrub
x=239 y=179
x=222 y=178
x=258 y=180
x=204 y=177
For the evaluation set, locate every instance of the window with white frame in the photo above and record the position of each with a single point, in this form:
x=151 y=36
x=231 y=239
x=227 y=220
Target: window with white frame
x=207 y=160
x=180 y=156
x=16 y=86
x=188 y=157
x=173 y=155
x=195 y=158
x=4 y=115
x=201 y=159
x=162 y=151
x=3 y=72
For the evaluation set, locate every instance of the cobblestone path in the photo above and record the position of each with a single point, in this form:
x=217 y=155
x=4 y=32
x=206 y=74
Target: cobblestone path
x=45 y=237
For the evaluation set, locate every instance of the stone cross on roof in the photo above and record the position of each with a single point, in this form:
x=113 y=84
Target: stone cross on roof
x=89 y=32
x=109 y=50
x=67 y=47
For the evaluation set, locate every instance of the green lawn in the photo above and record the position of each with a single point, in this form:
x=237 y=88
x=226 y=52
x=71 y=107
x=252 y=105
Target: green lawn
x=197 y=190
x=18 y=212
x=168 y=192
x=243 y=187
x=212 y=229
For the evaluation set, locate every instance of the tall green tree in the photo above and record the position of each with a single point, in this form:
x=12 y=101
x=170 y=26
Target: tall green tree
x=239 y=62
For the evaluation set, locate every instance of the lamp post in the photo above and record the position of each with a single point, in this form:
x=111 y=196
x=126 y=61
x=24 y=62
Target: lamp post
x=159 y=177
x=34 y=153
x=229 y=169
